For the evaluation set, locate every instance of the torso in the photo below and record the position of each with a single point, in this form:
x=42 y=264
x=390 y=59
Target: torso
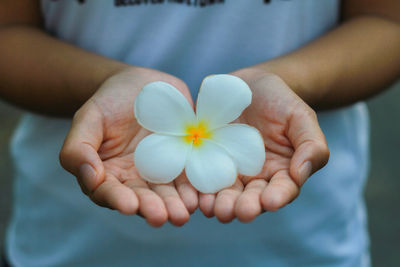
x=55 y=223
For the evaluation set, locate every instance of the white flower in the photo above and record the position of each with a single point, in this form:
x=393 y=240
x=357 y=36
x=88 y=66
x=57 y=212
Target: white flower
x=211 y=151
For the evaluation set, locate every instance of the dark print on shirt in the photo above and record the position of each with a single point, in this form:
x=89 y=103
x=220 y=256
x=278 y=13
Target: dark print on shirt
x=79 y=1
x=195 y=3
x=198 y=3
x=201 y=3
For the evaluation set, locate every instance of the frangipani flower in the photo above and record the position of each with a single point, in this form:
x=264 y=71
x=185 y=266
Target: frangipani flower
x=211 y=151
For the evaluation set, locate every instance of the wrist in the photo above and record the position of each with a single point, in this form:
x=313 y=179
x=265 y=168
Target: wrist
x=296 y=75
x=96 y=77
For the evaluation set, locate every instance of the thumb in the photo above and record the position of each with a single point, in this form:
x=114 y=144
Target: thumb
x=181 y=86
x=311 y=150
x=79 y=153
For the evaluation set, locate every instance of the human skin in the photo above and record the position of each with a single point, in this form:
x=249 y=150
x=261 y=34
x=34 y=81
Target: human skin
x=99 y=151
x=354 y=61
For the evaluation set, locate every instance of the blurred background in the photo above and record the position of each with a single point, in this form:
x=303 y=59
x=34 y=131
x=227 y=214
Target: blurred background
x=382 y=192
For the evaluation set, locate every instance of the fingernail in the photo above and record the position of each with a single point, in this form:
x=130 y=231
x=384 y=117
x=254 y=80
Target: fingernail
x=88 y=176
x=305 y=172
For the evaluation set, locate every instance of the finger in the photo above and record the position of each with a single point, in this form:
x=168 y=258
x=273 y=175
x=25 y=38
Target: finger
x=280 y=191
x=151 y=206
x=177 y=213
x=183 y=88
x=226 y=200
x=114 y=195
x=187 y=192
x=79 y=153
x=311 y=150
x=249 y=206
x=206 y=204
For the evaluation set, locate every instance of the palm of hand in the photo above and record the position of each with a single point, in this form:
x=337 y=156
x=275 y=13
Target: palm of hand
x=105 y=134
x=289 y=129
x=110 y=130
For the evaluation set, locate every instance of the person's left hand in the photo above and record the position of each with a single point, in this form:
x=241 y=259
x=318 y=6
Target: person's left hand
x=295 y=148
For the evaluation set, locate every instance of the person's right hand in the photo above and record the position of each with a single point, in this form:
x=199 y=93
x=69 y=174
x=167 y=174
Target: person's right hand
x=99 y=152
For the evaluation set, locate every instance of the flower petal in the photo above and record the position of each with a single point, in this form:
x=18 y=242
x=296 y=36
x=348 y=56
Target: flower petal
x=161 y=158
x=210 y=168
x=161 y=108
x=245 y=145
x=222 y=98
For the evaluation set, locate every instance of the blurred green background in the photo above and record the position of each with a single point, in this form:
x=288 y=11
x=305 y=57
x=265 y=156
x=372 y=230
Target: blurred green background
x=382 y=192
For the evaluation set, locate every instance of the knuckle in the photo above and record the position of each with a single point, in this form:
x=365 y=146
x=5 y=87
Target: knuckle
x=66 y=150
x=63 y=156
x=326 y=156
x=66 y=158
x=311 y=113
x=77 y=114
x=322 y=150
x=90 y=107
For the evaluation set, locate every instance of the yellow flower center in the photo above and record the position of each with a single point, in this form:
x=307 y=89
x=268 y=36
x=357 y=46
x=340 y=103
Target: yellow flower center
x=196 y=133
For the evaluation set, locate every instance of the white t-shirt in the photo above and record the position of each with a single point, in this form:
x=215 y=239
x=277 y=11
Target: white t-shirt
x=54 y=224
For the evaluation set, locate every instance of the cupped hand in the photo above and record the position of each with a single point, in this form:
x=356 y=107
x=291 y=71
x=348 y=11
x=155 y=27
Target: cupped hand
x=99 y=152
x=294 y=144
